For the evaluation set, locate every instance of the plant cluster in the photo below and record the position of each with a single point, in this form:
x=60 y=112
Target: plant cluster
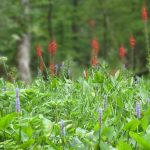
x=102 y=111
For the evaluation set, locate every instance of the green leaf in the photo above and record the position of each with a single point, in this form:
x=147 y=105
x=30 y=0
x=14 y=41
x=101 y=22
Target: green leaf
x=144 y=123
x=124 y=146
x=6 y=120
x=132 y=125
x=27 y=144
x=108 y=132
x=140 y=140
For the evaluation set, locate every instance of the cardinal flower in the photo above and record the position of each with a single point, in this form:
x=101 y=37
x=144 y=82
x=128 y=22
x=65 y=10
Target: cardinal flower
x=52 y=47
x=132 y=41
x=95 y=46
x=39 y=51
x=144 y=13
x=122 y=52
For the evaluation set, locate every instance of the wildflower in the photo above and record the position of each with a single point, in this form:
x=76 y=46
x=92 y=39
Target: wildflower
x=132 y=41
x=62 y=128
x=17 y=100
x=138 y=110
x=56 y=69
x=144 y=13
x=122 y=52
x=52 y=47
x=95 y=46
x=38 y=51
x=100 y=116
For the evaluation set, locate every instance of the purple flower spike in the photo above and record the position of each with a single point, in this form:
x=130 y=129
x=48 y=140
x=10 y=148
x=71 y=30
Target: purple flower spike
x=17 y=100
x=62 y=128
x=138 y=110
x=105 y=102
x=100 y=116
x=56 y=69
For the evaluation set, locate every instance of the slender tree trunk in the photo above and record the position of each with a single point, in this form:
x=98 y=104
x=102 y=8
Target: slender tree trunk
x=74 y=24
x=25 y=46
x=50 y=25
x=24 y=58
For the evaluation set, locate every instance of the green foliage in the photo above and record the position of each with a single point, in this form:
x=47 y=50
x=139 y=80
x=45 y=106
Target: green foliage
x=70 y=24
x=45 y=103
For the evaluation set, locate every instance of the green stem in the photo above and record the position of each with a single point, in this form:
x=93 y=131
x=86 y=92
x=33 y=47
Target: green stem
x=147 y=38
x=133 y=60
x=19 y=126
x=99 y=137
x=136 y=146
x=44 y=65
x=5 y=68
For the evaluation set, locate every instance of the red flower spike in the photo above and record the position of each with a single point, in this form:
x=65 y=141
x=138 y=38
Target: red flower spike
x=52 y=47
x=144 y=13
x=95 y=45
x=132 y=41
x=38 y=51
x=122 y=52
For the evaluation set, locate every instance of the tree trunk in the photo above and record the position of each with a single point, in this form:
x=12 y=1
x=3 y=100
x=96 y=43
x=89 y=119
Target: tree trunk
x=25 y=46
x=74 y=24
x=24 y=58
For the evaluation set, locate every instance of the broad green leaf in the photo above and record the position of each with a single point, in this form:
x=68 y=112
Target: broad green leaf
x=132 y=125
x=140 y=140
x=6 y=120
x=124 y=146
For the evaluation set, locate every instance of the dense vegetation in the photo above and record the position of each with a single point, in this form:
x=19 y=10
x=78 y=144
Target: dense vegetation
x=74 y=24
x=102 y=112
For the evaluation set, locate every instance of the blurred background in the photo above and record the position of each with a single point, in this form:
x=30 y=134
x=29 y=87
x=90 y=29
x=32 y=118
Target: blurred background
x=73 y=24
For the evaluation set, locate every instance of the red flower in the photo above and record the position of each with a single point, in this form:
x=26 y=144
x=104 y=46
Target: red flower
x=132 y=41
x=94 y=61
x=122 y=52
x=144 y=13
x=95 y=46
x=52 y=47
x=38 y=51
